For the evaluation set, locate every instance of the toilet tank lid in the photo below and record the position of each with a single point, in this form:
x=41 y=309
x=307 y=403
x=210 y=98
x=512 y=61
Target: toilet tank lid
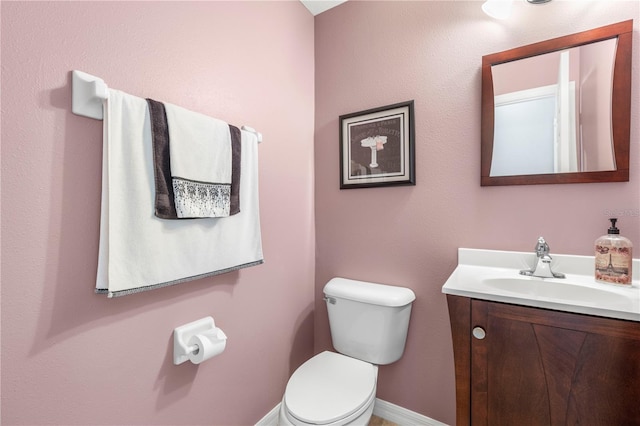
x=367 y=292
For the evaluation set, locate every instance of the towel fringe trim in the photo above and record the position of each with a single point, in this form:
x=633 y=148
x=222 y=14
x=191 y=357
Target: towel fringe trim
x=119 y=293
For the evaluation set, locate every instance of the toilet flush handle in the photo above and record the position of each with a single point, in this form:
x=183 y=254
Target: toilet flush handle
x=331 y=300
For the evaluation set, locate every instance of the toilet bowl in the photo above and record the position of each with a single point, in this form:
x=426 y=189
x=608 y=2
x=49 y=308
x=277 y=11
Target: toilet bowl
x=368 y=324
x=330 y=389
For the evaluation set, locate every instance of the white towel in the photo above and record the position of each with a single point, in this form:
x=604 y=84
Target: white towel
x=200 y=150
x=139 y=251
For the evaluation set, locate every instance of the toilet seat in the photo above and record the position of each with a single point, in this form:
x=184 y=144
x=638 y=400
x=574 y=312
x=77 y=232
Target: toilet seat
x=330 y=387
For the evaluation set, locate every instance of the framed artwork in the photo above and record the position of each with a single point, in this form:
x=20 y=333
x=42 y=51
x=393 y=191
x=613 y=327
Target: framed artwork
x=377 y=147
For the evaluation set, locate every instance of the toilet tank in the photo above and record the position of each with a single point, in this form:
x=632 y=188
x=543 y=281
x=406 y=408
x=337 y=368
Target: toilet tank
x=368 y=321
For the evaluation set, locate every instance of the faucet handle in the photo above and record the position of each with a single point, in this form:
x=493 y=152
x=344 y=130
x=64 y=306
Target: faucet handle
x=542 y=248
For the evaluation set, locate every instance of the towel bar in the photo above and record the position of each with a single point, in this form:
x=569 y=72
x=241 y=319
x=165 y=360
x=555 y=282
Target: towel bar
x=89 y=93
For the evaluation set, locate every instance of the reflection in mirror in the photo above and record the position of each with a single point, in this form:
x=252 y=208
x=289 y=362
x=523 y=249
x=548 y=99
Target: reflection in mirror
x=553 y=112
x=537 y=129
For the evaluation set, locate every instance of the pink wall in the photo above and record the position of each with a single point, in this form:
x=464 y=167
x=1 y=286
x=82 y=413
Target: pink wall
x=72 y=357
x=82 y=359
x=370 y=54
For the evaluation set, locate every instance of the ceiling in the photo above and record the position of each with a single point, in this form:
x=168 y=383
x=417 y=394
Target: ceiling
x=318 y=6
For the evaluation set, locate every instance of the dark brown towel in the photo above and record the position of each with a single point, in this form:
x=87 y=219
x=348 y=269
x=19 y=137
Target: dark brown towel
x=236 y=157
x=165 y=207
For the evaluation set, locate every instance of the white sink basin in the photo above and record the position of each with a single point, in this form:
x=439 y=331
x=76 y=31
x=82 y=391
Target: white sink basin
x=565 y=291
x=494 y=275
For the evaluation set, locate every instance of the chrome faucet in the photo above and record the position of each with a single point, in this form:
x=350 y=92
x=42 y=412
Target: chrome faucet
x=542 y=269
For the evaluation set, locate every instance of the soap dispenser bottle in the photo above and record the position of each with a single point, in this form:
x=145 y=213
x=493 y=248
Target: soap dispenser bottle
x=613 y=257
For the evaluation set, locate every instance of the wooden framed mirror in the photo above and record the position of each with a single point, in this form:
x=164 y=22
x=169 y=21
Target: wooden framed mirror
x=558 y=111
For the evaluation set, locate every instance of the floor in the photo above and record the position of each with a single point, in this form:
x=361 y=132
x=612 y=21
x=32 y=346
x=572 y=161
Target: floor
x=379 y=421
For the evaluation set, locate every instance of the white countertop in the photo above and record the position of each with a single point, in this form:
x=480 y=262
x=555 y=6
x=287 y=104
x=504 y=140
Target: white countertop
x=494 y=275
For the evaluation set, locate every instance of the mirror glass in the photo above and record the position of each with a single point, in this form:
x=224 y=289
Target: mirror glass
x=551 y=113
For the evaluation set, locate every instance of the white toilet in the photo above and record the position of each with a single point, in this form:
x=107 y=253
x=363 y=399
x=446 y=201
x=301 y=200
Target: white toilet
x=369 y=324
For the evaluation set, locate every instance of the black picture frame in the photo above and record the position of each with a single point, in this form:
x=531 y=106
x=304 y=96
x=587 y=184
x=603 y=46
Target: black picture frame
x=377 y=147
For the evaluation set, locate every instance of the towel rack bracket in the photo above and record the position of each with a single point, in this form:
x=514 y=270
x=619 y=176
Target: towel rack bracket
x=88 y=93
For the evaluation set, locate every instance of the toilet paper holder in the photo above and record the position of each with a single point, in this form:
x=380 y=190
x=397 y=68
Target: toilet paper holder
x=182 y=335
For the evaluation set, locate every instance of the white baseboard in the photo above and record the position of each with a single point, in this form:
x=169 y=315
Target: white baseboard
x=271 y=419
x=384 y=409
x=402 y=416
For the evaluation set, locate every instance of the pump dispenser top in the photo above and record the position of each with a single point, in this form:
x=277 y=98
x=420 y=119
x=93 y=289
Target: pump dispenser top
x=613 y=257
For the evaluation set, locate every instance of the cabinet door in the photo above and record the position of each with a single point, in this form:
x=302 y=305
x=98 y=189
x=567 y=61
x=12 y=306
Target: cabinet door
x=541 y=367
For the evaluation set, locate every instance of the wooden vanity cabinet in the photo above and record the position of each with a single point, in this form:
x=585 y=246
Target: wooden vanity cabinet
x=530 y=366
